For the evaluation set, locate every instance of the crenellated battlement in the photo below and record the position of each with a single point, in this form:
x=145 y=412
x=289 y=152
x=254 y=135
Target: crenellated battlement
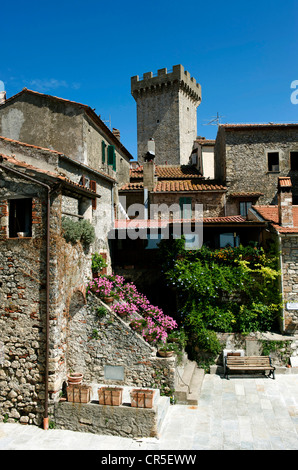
x=154 y=82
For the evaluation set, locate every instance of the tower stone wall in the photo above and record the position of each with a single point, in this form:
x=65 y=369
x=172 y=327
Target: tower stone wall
x=167 y=112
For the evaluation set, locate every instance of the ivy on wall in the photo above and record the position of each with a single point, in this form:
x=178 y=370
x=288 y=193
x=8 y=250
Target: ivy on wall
x=227 y=290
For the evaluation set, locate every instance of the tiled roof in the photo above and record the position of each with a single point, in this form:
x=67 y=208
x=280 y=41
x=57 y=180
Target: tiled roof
x=285 y=181
x=154 y=223
x=205 y=141
x=186 y=185
x=51 y=174
x=270 y=214
x=175 y=186
x=24 y=144
x=258 y=125
x=247 y=194
x=132 y=186
x=169 y=171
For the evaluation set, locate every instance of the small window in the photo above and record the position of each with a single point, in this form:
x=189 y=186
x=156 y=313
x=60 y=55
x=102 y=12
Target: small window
x=20 y=217
x=294 y=161
x=244 y=207
x=273 y=161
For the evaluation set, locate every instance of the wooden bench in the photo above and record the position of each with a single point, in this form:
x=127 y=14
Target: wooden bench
x=248 y=363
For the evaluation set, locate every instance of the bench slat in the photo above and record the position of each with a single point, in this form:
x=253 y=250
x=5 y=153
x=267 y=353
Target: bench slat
x=249 y=363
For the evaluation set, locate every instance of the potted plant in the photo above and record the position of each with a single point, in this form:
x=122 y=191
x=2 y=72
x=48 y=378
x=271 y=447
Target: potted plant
x=110 y=396
x=166 y=349
x=142 y=398
x=79 y=393
x=74 y=378
x=98 y=264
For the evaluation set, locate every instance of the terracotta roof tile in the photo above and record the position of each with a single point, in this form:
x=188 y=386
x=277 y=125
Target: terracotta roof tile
x=168 y=171
x=285 y=181
x=154 y=223
x=267 y=125
x=270 y=214
x=186 y=185
x=51 y=174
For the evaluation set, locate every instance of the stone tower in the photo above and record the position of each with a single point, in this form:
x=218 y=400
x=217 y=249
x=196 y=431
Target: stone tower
x=167 y=112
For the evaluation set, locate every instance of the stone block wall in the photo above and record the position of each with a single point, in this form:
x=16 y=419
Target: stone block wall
x=241 y=159
x=97 y=342
x=23 y=305
x=289 y=257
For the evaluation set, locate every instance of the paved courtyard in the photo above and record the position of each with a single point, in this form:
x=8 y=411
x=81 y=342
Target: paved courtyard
x=235 y=414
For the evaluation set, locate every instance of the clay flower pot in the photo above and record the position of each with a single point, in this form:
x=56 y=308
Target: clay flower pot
x=74 y=378
x=141 y=398
x=110 y=396
x=108 y=300
x=165 y=353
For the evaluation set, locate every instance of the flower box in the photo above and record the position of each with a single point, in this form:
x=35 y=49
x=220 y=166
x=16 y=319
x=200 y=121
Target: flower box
x=110 y=396
x=142 y=398
x=79 y=393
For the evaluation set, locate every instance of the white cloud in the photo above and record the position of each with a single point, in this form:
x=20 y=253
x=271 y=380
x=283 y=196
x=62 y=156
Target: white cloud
x=51 y=84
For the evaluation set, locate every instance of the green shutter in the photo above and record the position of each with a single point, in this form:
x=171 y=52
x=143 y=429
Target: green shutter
x=103 y=151
x=185 y=207
x=112 y=156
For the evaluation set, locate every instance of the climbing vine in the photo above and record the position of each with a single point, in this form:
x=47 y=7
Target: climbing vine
x=227 y=290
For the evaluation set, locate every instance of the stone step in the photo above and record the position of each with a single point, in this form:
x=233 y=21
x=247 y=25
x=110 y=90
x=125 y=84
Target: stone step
x=189 y=387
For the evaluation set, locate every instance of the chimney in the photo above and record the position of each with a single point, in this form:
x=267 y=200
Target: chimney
x=285 y=202
x=116 y=133
x=2 y=97
x=149 y=175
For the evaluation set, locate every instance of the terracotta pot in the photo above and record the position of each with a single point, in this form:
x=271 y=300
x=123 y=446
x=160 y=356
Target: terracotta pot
x=141 y=398
x=75 y=378
x=165 y=353
x=79 y=393
x=110 y=396
x=108 y=300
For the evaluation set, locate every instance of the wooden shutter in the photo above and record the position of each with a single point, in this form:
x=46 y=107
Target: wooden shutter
x=103 y=151
x=93 y=188
x=112 y=156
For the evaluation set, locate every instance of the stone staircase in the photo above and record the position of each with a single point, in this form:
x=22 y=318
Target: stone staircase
x=189 y=379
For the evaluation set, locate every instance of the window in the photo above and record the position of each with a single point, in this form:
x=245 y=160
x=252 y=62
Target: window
x=103 y=151
x=273 y=161
x=228 y=240
x=294 y=161
x=185 y=207
x=244 y=207
x=112 y=156
x=20 y=217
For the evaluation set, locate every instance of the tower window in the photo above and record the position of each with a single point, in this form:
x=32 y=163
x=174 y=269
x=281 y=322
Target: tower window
x=273 y=161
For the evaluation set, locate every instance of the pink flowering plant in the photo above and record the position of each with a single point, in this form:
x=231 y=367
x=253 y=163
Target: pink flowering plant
x=148 y=319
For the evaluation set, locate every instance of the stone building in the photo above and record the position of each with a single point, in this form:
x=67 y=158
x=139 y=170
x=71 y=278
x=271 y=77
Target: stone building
x=167 y=112
x=71 y=128
x=250 y=157
x=282 y=229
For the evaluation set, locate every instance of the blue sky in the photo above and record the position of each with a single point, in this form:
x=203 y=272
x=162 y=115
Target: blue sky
x=244 y=55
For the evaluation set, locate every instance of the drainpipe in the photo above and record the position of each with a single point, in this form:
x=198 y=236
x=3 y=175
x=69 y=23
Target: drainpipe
x=19 y=173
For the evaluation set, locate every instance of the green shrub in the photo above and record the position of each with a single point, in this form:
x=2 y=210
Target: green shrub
x=75 y=231
x=98 y=263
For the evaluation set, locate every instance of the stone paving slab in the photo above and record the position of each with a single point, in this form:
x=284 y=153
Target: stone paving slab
x=236 y=414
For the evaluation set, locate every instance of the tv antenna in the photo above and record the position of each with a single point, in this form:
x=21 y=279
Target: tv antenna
x=108 y=122
x=215 y=121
